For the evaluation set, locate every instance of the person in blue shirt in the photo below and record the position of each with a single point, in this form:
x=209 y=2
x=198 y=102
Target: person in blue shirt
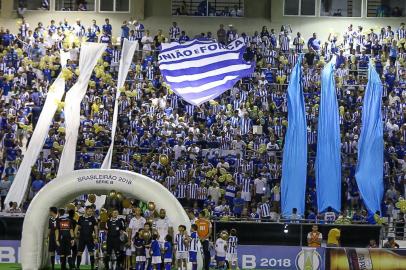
x=6 y=89
x=168 y=249
x=107 y=28
x=390 y=78
x=12 y=58
x=12 y=153
x=91 y=36
x=47 y=74
x=311 y=215
x=139 y=245
x=238 y=205
x=183 y=37
x=10 y=170
x=37 y=184
x=376 y=48
x=393 y=53
x=7 y=38
x=363 y=60
x=125 y=31
x=314 y=43
x=340 y=59
x=156 y=253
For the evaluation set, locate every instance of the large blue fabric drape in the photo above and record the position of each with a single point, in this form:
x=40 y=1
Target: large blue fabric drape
x=369 y=172
x=294 y=163
x=328 y=158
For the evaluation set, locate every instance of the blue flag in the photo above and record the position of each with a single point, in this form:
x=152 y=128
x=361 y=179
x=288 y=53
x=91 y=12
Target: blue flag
x=201 y=70
x=294 y=163
x=369 y=172
x=328 y=158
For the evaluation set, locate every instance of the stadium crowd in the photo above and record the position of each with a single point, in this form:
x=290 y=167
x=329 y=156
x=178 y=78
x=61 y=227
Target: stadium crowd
x=224 y=156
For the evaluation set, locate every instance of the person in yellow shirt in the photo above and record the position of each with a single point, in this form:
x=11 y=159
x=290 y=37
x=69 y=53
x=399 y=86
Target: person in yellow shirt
x=314 y=237
x=333 y=238
x=95 y=107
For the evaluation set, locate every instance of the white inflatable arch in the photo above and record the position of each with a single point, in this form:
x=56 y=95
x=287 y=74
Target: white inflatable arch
x=67 y=187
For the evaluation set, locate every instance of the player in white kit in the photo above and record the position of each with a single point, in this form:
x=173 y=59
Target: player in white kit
x=164 y=227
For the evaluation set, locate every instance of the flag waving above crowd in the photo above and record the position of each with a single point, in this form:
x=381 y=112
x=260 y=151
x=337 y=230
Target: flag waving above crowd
x=201 y=70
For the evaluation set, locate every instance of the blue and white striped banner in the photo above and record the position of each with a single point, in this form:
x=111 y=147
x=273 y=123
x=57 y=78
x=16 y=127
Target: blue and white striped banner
x=201 y=70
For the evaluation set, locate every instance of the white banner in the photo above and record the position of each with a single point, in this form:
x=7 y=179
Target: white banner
x=89 y=54
x=127 y=53
x=64 y=56
x=20 y=184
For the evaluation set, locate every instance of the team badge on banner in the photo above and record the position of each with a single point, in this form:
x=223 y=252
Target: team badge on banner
x=201 y=70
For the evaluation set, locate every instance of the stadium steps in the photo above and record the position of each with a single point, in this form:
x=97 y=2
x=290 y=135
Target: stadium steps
x=349 y=8
x=372 y=6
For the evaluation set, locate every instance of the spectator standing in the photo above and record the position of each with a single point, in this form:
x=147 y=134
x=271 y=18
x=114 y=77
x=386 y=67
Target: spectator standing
x=222 y=35
x=314 y=237
x=5 y=185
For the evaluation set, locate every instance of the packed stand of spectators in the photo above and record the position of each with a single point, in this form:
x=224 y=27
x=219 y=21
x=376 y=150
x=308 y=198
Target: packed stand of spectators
x=225 y=155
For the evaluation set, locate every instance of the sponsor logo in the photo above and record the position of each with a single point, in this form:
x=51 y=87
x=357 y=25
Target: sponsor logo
x=308 y=259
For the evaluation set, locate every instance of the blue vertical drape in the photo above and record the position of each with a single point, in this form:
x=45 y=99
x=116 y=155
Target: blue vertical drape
x=328 y=158
x=369 y=172
x=294 y=163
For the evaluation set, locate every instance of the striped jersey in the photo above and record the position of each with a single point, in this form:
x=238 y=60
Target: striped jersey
x=232 y=244
x=202 y=193
x=230 y=191
x=180 y=243
x=246 y=184
x=265 y=210
x=181 y=191
x=193 y=245
x=139 y=31
x=192 y=190
x=401 y=33
x=284 y=43
x=174 y=32
x=299 y=43
x=170 y=181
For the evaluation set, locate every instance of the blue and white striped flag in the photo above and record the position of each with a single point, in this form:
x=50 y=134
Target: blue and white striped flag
x=201 y=70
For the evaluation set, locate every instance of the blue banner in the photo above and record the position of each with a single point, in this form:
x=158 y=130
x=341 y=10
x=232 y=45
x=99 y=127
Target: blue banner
x=328 y=158
x=294 y=162
x=280 y=257
x=369 y=172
